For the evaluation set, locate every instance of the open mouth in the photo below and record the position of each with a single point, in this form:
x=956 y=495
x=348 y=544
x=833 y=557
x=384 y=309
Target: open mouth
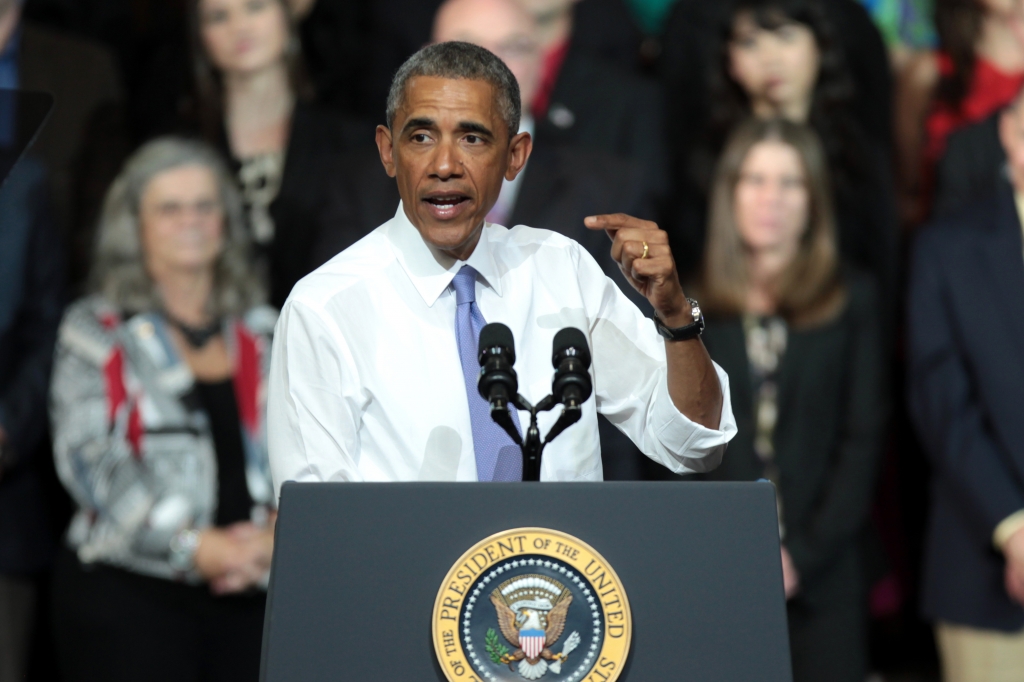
x=446 y=206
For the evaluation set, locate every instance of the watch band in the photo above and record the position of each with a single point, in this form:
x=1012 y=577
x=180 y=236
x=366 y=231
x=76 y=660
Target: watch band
x=686 y=332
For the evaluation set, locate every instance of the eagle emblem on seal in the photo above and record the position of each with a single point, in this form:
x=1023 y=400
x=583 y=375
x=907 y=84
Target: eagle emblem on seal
x=531 y=612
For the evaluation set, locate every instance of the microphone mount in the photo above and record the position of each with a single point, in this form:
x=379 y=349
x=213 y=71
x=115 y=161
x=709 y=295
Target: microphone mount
x=533 y=445
x=571 y=386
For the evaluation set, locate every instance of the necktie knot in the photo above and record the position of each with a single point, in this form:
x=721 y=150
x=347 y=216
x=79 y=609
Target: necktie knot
x=465 y=285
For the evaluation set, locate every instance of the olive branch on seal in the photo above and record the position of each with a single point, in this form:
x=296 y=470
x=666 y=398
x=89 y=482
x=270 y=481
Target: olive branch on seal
x=495 y=649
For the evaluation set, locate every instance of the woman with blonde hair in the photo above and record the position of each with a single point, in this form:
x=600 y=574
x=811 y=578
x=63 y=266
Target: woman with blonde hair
x=798 y=334
x=158 y=404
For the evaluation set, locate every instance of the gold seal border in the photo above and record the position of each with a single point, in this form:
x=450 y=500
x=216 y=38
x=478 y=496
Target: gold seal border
x=610 y=661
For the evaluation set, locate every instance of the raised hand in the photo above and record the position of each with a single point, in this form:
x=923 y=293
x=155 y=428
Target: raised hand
x=642 y=251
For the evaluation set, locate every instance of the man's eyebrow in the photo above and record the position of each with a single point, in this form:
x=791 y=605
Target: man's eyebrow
x=413 y=123
x=471 y=127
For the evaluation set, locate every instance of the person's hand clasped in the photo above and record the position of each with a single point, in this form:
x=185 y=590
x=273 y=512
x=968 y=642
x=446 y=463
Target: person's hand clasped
x=1014 y=576
x=643 y=253
x=235 y=558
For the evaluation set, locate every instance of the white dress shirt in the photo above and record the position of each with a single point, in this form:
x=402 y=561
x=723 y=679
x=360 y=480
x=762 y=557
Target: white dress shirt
x=366 y=382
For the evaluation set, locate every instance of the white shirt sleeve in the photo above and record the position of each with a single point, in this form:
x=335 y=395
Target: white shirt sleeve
x=631 y=380
x=314 y=401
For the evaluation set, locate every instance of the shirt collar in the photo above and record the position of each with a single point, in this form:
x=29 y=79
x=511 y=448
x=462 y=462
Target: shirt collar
x=432 y=271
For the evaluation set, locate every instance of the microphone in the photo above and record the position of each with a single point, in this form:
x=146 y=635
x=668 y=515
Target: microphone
x=498 y=383
x=571 y=384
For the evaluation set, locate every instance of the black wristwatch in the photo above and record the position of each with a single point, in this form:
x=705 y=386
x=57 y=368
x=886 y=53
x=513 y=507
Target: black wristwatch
x=684 y=333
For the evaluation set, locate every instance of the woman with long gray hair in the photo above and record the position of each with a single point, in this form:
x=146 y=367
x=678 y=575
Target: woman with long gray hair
x=158 y=408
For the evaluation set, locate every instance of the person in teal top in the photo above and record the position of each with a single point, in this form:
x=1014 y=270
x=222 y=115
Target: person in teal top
x=903 y=23
x=650 y=14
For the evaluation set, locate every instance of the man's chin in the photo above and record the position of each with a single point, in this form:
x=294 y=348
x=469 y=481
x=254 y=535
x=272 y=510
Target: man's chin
x=452 y=237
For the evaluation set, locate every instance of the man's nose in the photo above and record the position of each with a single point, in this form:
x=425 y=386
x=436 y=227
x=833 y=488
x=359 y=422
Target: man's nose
x=447 y=161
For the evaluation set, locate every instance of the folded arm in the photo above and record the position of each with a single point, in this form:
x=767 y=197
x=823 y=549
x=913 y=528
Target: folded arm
x=640 y=393
x=643 y=253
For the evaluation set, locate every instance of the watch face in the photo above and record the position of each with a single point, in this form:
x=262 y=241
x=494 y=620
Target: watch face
x=694 y=309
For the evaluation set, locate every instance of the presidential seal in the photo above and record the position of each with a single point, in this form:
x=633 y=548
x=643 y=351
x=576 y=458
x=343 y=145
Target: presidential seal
x=532 y=603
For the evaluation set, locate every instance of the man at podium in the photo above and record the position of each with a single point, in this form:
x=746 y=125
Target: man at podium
x=374 y=370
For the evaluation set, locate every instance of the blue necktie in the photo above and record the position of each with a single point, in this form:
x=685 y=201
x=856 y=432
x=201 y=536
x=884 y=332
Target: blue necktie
x=498 y=458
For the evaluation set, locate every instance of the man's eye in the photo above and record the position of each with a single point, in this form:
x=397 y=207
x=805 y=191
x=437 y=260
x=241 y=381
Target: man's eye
x=473 y=139
x=420 y=137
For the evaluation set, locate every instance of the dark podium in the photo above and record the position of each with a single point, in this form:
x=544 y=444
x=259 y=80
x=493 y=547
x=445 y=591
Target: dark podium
x=357 y=569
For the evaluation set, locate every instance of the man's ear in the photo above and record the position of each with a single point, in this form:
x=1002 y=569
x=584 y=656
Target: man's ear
x=386 y=147
x=519 y=149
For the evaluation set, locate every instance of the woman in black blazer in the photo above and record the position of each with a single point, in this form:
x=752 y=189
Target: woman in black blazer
x=799 y=337
x=253 y=100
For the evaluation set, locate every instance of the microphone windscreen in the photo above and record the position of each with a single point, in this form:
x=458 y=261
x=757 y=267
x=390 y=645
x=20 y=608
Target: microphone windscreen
x=571 y=337
x=497 y=334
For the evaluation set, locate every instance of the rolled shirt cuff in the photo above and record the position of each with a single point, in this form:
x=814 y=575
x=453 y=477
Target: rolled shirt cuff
x=689 y=441
x=1006 y=529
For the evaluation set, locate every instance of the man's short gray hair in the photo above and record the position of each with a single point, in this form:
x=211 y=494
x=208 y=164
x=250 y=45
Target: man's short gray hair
x=120 y=271
x=458 y=60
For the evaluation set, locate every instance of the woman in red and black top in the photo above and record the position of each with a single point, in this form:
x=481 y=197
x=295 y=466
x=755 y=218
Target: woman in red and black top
x=978 y=70
x=158 y=403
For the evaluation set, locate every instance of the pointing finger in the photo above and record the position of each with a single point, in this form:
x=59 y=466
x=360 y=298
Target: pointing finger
x=616 y=221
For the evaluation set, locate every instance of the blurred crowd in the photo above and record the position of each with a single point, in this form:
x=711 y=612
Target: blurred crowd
x=842 y=182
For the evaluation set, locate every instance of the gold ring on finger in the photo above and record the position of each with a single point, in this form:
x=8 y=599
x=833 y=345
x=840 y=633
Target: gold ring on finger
x=646 y=248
